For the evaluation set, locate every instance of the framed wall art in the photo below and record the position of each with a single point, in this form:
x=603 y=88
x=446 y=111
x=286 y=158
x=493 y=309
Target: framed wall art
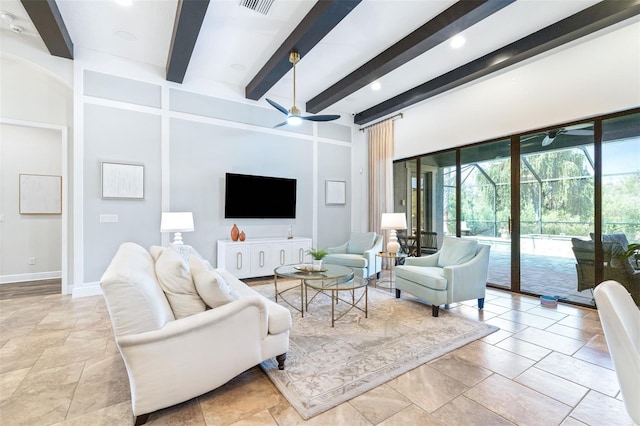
x=335 y=192
x=40 y=194
x=122 y=181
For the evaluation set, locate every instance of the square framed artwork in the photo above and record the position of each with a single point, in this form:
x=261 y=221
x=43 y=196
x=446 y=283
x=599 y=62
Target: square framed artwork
x=335 y=192
x=40 y=194
x=122 y=181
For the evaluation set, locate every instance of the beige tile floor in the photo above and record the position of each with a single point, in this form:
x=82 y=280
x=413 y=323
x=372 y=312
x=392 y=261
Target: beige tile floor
x=59 y=366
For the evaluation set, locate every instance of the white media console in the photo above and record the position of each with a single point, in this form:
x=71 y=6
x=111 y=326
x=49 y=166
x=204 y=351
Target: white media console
x=258 y=257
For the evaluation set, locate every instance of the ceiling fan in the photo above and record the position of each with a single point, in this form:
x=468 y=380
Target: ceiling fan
x=551 y=135
x=294 y=116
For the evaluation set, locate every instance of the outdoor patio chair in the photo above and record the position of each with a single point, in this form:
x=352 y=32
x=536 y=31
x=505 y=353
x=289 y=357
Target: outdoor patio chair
x=428 y=242
x=615 y=267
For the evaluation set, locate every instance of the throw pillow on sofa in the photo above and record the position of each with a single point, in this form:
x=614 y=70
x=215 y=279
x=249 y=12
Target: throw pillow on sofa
x=175 y=279
x=210 y=285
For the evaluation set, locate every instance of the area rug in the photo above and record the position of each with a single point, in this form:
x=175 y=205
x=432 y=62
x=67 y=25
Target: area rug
x=326 y=366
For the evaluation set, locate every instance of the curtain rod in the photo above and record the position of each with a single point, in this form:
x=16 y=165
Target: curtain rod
x=395 y=117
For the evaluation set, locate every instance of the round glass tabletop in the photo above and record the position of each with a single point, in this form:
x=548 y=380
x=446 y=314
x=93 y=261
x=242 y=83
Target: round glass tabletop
x=304 y=272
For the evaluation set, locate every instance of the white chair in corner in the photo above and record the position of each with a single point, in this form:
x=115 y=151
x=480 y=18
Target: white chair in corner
x=620 y=320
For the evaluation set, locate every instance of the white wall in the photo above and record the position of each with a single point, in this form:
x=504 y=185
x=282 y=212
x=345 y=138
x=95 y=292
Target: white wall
x=41 y=101
x=28 y=150
x=187 y=141
x=592 y=76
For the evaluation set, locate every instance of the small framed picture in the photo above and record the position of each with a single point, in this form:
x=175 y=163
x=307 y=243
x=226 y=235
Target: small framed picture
x=40 y=194
x=335 y=192
x=122 y=181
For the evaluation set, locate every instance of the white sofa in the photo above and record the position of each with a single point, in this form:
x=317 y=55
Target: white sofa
x=171 y=360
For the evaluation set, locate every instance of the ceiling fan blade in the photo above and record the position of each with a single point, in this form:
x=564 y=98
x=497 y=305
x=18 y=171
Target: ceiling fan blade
x=321 y=117
x=278 y=107
x=528 y=138
x=548 y=140
x=280 y=124
x=580 y=132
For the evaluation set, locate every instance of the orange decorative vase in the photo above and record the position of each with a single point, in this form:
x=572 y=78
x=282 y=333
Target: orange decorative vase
x=242 y=236
x=234 y=233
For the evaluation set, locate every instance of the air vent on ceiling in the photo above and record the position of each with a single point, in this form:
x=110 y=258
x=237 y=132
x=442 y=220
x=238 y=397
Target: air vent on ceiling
x=260 y=6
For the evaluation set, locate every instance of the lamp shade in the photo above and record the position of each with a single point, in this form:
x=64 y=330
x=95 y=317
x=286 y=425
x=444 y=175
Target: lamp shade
x=176 y=222
x=394 y=221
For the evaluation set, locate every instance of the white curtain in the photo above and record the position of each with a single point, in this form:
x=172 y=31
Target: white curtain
x=380 y=141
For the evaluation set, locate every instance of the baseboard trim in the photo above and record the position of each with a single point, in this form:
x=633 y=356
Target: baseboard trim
x=86 y=290
x=36 y=276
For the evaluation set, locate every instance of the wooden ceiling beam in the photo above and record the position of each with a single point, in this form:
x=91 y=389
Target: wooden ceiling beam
x=46 y=17
x=189 y=17
x=585 y=22
x=457 y=18
x=320 y=20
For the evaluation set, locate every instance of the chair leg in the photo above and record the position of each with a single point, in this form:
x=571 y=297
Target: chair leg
x=435 y=310
x=281 y=359
x=140 y=420
x=397 y=293
x=481 y=303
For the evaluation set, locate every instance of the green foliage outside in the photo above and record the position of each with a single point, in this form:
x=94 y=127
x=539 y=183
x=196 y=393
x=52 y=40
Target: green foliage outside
x=562 y=204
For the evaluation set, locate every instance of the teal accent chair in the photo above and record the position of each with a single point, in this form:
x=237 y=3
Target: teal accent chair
x=456 y=273
x=358 y=253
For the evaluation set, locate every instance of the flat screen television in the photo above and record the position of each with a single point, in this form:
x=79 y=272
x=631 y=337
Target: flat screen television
x=259 y=197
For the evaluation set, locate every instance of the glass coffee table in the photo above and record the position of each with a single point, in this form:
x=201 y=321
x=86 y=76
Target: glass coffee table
x=333 y=289
x=328 y=274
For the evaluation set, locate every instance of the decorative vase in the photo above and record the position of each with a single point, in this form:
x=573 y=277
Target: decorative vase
x=234 y=233
x=242 y=236
x=317 y=264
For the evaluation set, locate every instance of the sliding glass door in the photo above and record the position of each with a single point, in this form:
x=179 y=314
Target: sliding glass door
x=556 y=206
x=485 y=198
x=577 y=196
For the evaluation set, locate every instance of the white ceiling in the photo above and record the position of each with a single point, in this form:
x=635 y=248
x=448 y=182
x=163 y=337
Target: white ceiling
x=235 y=42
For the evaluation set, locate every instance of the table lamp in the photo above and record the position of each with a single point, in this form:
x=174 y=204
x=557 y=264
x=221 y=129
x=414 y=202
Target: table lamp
x=177 y=222
x=392 y=222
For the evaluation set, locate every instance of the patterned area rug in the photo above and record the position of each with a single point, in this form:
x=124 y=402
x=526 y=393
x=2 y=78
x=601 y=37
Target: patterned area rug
x=326 y=366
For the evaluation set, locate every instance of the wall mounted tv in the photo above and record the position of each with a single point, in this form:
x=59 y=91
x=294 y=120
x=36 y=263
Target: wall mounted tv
x=259 y=197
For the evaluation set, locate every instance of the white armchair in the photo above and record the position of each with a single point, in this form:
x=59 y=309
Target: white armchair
x=620 y=320
x=455 y=273
x=358 y=253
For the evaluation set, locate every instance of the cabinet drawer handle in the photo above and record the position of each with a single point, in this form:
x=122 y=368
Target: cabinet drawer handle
x=261 y=259
x=282 y=256
x=301 y=255
x=239 y=260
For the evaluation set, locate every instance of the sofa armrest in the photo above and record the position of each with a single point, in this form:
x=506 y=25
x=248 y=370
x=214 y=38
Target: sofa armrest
x=195 y=323
x=468 y=280
x=190 y=356
x=338 y=249
x=431 y=260
x=374 y=265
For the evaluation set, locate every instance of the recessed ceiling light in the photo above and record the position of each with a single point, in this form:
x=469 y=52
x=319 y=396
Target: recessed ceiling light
x=7 y=16
x=375 y=85
x=18 y=29
x=458 y=41
x=124 y=35
x=124 y=2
